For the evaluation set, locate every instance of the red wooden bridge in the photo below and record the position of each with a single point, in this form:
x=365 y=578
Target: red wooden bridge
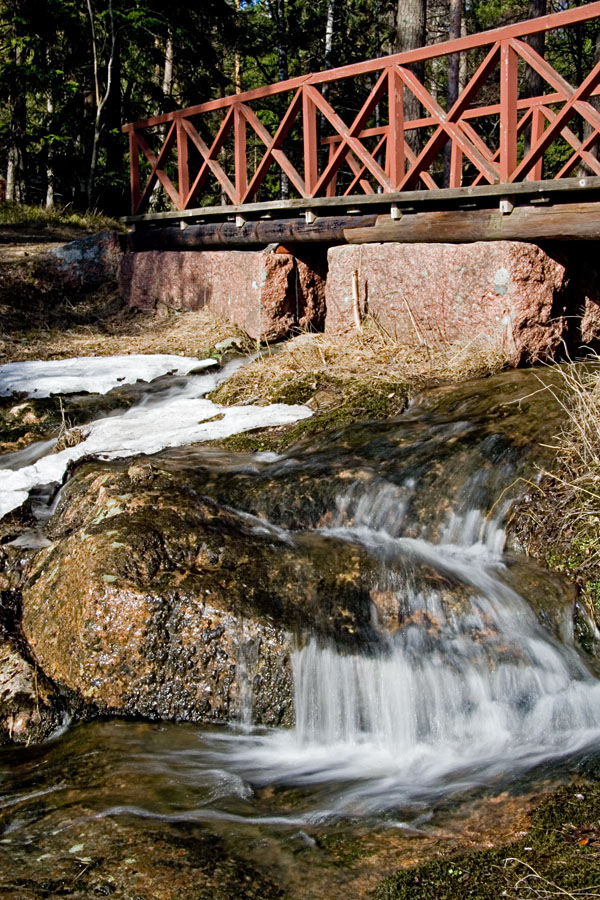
x=350 y=159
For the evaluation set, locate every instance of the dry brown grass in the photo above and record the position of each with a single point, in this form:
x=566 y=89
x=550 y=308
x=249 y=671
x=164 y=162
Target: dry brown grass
x=128 y=331
x=372 y=356
x=576 y=475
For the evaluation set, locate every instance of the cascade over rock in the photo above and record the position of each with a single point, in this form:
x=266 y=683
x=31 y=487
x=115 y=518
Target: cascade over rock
x=156 y=601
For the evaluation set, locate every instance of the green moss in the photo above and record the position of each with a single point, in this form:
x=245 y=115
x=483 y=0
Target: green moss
x=350 y=401
x=342 y=849
x=560 y=853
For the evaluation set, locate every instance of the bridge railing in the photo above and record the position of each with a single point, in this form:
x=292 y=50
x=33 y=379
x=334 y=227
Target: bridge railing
x=354 y=130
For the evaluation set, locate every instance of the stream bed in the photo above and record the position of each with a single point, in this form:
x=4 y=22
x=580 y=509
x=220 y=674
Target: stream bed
x=432 y=726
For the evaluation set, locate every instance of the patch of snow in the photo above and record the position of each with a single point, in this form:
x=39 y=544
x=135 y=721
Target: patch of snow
x=177 y=417
x=93 y=374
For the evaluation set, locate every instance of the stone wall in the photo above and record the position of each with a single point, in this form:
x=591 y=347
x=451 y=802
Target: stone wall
x=515 y=298
x=268 y=294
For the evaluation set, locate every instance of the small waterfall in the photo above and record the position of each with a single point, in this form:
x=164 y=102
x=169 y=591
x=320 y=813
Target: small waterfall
x=466 y=683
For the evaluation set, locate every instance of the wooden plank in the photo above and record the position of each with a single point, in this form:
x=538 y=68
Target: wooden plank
x=436 y=142
x=482 y=39
x=564 y=222
x=216 y=168
x=309 y=131
x=574 y=103
x=482 y=194
x=395 y=155
x=273 y=144
x=183 y=169
x=239 y=153
x=349 y=140
x=156 y=163
x=134 y=170
x=538 y=123
x=214 y=150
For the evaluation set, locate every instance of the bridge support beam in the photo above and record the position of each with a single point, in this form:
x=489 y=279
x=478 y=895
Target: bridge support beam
x=544 y=222
x=330 y=229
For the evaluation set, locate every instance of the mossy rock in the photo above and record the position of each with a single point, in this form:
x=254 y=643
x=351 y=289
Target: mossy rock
x=336 y=403
x=560 y=854
x=156 y=601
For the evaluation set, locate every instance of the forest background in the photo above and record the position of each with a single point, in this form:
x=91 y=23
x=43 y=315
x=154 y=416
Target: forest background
x=73 y=71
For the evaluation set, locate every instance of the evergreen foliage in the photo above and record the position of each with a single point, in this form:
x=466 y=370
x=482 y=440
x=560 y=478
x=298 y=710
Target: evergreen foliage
x=72 y=71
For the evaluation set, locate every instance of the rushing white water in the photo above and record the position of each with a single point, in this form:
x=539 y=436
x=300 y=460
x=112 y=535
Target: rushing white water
x=466 y=685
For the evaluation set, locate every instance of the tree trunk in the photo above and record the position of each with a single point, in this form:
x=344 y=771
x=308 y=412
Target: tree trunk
x=16 y=164
x=277 y=13
x=411 y=22
x=99 y=97
x=456 y=18
x=49 y=157
x=534 y=83
x=327 y=59
x=237 y=74
x=327 y=64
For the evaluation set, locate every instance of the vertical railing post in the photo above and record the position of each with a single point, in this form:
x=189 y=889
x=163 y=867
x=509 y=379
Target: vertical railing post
x=538 y=123
x=241 y=162
x=456 y=164
x=331 y=189
x=183 y=171
x=395 y=154
x=134 y=171
x=311 y=161
x=509 y=71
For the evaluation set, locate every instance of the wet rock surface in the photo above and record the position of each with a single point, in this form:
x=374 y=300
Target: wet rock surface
x=31 y=708
x=155 y=601
x=131 y=859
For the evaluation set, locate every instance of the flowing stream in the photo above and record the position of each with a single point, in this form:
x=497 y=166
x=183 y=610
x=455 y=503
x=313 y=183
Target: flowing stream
x=474 y=687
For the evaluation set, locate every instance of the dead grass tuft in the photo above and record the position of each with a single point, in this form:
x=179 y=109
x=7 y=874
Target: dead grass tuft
x=122 y=330
x=372 y=356
x=560 y=521
x=576 y=478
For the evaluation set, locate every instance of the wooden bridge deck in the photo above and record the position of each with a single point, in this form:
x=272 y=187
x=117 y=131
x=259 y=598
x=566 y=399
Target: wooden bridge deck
x=498 y=163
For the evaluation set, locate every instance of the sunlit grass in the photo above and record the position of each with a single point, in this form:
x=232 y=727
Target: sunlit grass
x=38 y=217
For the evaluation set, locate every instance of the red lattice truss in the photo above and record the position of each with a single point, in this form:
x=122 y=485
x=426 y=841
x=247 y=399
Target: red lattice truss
x=404 y=155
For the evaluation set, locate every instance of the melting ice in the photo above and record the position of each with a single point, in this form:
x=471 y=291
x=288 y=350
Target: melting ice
x=170 y=418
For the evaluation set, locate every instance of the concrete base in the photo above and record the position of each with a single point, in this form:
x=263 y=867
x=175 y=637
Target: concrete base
x=267 y=294
x=510 y=296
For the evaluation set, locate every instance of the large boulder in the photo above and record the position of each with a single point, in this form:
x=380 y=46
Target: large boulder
x=510 y=298
x=154 y=600
x=87 y=262
x=267 y=294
